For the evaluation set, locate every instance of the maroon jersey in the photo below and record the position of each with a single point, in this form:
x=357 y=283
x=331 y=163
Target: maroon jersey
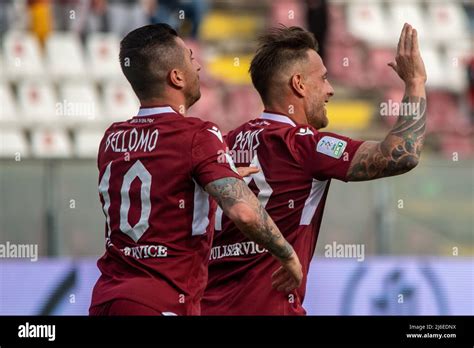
x=159 y=219
x=296 y=165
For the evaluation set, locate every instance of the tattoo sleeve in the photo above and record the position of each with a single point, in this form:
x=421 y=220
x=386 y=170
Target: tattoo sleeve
x=400 y=151
x=235 y=199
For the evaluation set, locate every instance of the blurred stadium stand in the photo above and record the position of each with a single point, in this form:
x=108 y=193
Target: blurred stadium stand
x=61 y=86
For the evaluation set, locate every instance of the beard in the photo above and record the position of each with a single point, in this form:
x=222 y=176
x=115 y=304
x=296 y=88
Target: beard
x=193 y=96
x=318 y=118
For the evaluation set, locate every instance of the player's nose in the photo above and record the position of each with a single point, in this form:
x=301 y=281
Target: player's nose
x=330 y=91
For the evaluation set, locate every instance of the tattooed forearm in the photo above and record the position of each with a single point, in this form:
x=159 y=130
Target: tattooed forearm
x=240 y=204
x=399 y=152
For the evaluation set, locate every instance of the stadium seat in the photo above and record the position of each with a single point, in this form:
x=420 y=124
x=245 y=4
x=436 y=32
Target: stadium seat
x=460 y=49
x=13 y=142
x=380 y=74
x=434 y=67
x=64 y=56
x=456 y=76
x=457 y=56
x=103 y=56
x=228 y=69
x=86 y=144
x=405 y=12
x=22 y=56
x=8 y=110
x=37 y=100
x=337 y=31
x=368 y=21
x=452 y=143
x=80 y=102
x=443 y=106
x=49 y=143
x=120 y=102
x=447 y=20
x=345 y=64
x=288 y=12
x=349 y=114
x=220 y=25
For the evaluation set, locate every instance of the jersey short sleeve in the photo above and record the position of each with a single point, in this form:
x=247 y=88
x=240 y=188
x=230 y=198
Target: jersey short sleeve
x=324 y=155
x=209 y=158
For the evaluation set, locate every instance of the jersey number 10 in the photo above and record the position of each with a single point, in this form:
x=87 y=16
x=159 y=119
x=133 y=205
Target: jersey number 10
x=136 y=170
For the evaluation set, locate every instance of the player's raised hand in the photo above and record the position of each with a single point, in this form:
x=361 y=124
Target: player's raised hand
x=246 y=171
x=289 y=276
x=408 y=62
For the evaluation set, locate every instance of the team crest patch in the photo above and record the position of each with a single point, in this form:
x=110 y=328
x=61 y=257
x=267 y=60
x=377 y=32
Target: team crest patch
x=331 y=146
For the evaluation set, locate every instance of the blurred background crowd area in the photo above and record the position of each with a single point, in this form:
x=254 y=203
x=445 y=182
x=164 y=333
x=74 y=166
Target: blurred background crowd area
x=61 y=87
x=61 y=83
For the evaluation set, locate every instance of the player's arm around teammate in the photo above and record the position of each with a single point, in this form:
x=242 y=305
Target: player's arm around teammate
x=240 y=204
x=400 y=151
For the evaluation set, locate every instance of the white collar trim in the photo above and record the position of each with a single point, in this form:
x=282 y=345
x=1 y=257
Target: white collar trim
x=155 y=111
x=276 y=117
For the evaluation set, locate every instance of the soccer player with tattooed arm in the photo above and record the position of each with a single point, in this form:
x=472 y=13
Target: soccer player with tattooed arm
x=296 y=163
x=157 y=174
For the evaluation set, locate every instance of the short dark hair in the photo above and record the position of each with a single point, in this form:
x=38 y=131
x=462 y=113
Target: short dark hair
x=146 y=56
x=278 y=49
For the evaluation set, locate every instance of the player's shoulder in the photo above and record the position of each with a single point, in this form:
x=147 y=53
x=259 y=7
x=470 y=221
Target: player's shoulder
x=203 y=129
x=299 y=135
x=307 y=140
x=302 y=131
x=113 y=127
x=197 y=124
x=242 y=128
x=249 y=126
x=307 y=133
x=194 y=121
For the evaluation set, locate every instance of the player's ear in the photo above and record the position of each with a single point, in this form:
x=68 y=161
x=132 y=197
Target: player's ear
x=297 y=85
x=177 y=78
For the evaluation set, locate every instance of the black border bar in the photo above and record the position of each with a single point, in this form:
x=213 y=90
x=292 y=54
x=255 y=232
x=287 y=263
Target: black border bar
x=159 y=331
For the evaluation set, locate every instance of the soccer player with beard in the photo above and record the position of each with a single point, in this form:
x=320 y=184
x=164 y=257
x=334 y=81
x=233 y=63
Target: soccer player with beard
x=157 y=171
x=297 y=163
